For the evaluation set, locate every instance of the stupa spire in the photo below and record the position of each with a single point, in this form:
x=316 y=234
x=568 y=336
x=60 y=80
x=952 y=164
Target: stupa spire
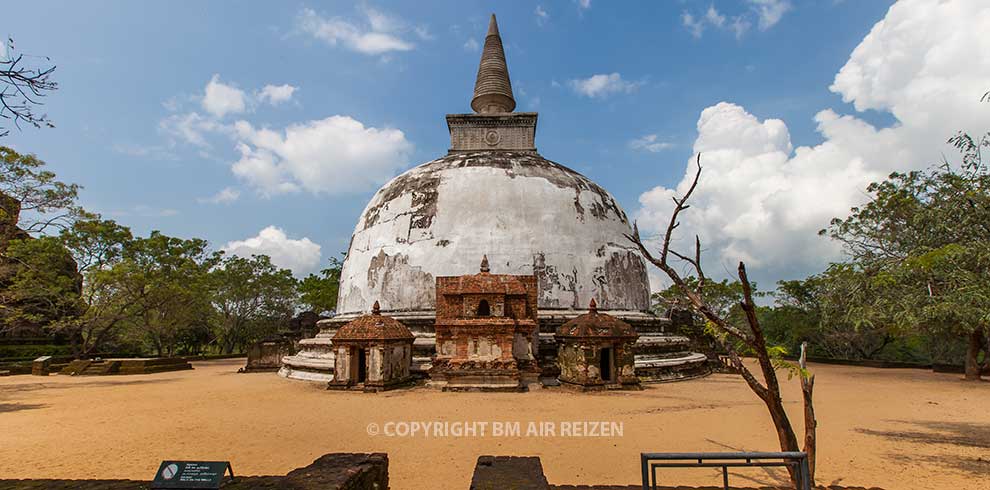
x=484 y=264
x=492 y=90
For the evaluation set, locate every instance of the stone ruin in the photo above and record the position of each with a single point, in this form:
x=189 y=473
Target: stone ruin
x=372 y=353
x=486 y=332
x=597 y=351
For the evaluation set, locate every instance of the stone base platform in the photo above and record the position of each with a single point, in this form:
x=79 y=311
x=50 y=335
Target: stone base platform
x=313 y=362
x=140 y=365
x=339 y=471
x=599 y=387
x=661 y=355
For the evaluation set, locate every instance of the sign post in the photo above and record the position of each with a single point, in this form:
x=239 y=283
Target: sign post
x=192 y=475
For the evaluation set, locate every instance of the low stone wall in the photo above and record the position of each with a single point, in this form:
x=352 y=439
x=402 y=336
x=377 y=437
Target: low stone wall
x=338 y=471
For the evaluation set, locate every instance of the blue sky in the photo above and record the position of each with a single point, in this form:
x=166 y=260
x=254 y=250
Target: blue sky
x=129 y=71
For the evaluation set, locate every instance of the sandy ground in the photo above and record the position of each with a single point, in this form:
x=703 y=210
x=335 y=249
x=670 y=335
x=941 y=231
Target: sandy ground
x=891 y=428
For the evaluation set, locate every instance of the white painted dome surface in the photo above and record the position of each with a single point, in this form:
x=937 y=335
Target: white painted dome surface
x=525 y=212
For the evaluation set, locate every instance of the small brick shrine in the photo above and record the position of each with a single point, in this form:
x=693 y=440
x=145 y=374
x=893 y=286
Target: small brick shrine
x=373 y=353
x=487 y=332
x=596 y=352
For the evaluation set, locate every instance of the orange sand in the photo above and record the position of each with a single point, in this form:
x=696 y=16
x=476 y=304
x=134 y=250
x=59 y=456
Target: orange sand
x=892 y=428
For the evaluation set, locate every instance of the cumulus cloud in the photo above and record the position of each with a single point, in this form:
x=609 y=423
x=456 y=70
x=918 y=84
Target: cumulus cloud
x=472 y=45
x=584 y=4
x=225 y=196
x=603 y=85
x=221 y=99
x=762 y=201
x=218 y=100
x=378 y=34
x=649 y=143
x=333 y=155
x=301 y=256
x=276 y=94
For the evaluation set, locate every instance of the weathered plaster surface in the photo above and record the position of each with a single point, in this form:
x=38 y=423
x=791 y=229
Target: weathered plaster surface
x=528 y=214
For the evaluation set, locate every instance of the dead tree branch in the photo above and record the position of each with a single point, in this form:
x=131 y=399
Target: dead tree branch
x=735 y=340
x=21 y=89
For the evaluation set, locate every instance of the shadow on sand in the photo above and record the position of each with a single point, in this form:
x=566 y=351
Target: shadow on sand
x=960 y=434
x=17 y=407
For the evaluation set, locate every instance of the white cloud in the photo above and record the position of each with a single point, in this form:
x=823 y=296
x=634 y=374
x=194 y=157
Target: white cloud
x=218 y=100
x=584 y=4
x=191 y=128
x=695 y=26
x=333 y=155
x=145 y=211
x=225 y=196
x=769 y=11
x=761 y=201
x=221 y=99
x=541 y=15
x=649 y=143
x=276 y=94
x=602 y=85
x=713 y=17
x=423 y=32
x=301 y=256
x=378 y=35
x=739 y=26
x=471 y=45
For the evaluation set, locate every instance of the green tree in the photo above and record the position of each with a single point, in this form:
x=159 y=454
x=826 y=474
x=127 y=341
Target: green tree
x=142 y=291
x=39 y=285
x=39 y=200
x=921 y=243
x=828 y=311
x=318 y=293
x=172 y=276
x=97 y=246
x=252 y=298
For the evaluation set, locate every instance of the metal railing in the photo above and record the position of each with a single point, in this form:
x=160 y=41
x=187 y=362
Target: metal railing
x=797 y=461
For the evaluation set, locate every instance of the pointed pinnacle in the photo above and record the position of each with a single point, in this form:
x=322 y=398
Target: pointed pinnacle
x=492 y=89
x=484 y=264
x=492 y=27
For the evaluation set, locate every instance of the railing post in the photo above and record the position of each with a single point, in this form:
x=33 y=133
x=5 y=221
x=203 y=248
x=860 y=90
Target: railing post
x=643 y=467
x=805 y=473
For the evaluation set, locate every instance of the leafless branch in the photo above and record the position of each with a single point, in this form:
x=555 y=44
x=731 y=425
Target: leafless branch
x=22 y=88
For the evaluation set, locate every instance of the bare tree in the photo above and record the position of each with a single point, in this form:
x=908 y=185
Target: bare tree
x=21 y=88
x=739 y=340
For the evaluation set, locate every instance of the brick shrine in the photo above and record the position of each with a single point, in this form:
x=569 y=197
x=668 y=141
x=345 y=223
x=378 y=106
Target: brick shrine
x=487 y=332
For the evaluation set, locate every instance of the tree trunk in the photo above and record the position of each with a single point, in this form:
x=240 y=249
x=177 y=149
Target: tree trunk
x=973 y=367
x=810 y=422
